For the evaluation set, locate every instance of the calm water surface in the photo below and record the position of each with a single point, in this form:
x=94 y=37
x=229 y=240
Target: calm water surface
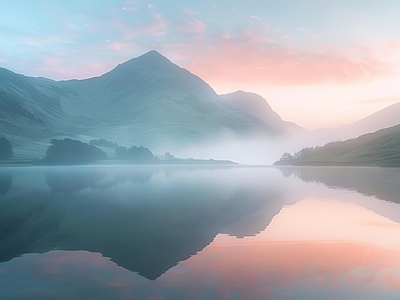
x=199 y=233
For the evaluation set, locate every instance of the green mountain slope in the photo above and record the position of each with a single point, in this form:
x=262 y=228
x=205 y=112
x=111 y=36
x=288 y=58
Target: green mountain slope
x=145 y=101
x=381 y=148
x=256 y=105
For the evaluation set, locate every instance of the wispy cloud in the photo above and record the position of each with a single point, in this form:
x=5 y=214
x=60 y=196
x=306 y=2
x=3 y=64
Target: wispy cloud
x=189 y=12
x=156 y=27
x=255 y=17
x=130 y=6
x=190 y=25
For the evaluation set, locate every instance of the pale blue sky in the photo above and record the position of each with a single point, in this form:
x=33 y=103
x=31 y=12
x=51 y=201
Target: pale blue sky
x=322 y=56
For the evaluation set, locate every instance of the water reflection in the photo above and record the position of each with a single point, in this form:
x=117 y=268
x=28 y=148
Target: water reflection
x=380 y=182
x=69 y=180
x=5 y=182
x=146 y=228
x=237 y=233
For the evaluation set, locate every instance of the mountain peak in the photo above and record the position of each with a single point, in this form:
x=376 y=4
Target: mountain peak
x=151 y=60
x=152 y=53
x=254 y=104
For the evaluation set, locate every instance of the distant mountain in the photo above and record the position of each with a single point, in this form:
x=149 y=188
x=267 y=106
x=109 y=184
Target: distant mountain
x=145 y=101
x=381 y=148
x=384 y=118
x=257 y=106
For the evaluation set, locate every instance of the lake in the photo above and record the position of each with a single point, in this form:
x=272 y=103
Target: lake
x=182 y=232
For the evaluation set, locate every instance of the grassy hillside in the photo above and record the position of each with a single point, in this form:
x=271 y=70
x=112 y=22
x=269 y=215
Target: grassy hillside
x=145 y=101
x=381 y=148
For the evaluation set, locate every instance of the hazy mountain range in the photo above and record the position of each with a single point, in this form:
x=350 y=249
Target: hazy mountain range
x=151 y=102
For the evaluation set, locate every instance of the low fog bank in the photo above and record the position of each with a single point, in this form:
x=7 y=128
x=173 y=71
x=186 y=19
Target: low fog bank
x=255 y=150
x=258 y=150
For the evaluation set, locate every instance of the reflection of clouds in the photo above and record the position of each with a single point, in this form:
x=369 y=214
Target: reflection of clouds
x=228 y=268
x=333 y=220
x=311 y=243
x=66 y=275
x=255 y=270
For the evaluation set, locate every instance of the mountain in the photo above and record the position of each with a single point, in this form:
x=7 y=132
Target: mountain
x=384 y=118
x=145 y=101
x=381 y=148
x=257 y=106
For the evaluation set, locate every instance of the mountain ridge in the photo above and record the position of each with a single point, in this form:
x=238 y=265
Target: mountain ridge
x=383 y=118
x=258 y=106
x=147 y=101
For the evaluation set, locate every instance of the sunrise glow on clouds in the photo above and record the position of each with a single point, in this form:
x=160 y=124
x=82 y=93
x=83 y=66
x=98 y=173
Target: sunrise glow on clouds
x=317 y=64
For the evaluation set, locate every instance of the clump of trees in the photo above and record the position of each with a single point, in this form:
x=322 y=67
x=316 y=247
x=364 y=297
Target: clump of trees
x=297 y=157
x=138 y=155
x=72 y=152
x=169 y=156
x=6 y=151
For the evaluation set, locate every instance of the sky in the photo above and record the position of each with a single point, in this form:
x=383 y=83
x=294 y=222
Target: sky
x=317 y=63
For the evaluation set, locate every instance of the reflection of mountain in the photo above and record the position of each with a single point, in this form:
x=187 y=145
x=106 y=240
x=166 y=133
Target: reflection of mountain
x=380 y=182
x=5 y=182
x=253 y=223
x=68 y=180
x=147 y=228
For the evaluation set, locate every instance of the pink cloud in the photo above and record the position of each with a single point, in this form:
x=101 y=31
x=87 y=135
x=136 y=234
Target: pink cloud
x=130 y=6
x=394 y=45
x=252 y=57
x=156 y=27
x=117 y=46
x=191 y=25
x=187 y=11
